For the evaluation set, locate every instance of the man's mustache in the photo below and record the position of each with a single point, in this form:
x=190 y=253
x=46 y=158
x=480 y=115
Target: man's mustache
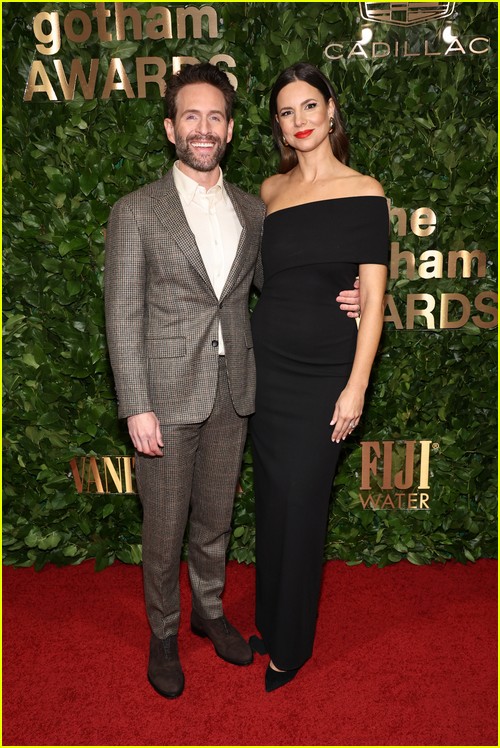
x=201 y=136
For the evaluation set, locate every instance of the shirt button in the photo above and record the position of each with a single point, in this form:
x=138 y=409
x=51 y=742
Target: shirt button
x=215 y=343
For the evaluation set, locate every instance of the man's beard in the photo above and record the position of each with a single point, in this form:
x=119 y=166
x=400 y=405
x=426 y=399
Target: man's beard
x=199 y=161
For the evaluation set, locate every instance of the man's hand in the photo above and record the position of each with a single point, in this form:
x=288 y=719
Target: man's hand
x=350 y=300
x=145 y=432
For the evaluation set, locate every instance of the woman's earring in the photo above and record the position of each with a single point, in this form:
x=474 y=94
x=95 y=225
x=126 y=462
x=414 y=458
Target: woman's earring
x=283 y=140
x=332 y=124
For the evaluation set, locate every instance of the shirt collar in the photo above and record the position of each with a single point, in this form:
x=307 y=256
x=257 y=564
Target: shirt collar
x=189 y=188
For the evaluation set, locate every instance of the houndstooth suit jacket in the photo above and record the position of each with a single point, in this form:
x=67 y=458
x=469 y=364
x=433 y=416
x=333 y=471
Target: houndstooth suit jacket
x=162 y=313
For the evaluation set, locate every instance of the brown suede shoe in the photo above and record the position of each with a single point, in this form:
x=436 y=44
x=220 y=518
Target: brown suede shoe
x=228 y=643
x=164 y=669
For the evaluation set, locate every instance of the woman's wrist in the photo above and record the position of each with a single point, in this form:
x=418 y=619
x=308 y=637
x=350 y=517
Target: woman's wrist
x=357 y=385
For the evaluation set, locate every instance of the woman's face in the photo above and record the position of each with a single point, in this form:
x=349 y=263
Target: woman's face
x=303 y=115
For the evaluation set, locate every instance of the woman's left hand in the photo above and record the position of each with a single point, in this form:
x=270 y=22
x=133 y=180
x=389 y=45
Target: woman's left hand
x=348 y=410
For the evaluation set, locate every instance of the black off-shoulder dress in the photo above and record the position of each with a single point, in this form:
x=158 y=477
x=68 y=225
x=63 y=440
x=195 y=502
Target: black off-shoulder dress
x=304 y=349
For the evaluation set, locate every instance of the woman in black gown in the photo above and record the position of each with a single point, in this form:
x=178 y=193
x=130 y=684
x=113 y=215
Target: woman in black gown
x=325 y=224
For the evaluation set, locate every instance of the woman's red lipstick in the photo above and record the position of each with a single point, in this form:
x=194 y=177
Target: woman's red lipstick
x=303 y=133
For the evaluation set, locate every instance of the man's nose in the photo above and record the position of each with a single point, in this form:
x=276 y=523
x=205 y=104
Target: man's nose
x=205 y=126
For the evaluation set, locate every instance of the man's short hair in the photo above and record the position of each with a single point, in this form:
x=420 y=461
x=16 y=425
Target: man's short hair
x=203 y=72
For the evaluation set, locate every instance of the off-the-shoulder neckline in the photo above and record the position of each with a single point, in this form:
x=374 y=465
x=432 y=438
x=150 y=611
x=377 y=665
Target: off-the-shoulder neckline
x=328 y=200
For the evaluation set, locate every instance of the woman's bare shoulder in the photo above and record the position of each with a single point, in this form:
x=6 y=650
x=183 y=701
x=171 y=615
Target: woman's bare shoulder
x=370 y=186
x=365 y=186
x=271 y=187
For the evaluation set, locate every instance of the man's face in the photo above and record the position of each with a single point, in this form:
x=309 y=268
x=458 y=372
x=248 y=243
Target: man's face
x=200 y=132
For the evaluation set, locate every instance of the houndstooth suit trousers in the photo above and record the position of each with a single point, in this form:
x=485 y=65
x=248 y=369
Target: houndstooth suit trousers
x=193 y=484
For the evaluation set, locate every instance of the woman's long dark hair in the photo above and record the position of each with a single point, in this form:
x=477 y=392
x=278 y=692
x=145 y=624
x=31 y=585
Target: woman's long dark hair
x=304 y=71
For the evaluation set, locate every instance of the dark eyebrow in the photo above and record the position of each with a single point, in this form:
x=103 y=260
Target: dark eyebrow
x=197 y=111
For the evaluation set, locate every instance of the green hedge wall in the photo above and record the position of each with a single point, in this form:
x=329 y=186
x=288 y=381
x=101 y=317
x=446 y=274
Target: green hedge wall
x=424 y=125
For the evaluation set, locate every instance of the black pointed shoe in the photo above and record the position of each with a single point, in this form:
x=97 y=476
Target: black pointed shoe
x=164 y=669
x=228 y=642
x=277 y=678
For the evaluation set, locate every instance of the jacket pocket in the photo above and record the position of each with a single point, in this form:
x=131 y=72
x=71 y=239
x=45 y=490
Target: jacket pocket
x=247 y=329
x=247 y=332
x=165 y=347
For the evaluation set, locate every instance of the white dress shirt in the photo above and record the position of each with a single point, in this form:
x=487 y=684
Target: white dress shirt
x=215 y=225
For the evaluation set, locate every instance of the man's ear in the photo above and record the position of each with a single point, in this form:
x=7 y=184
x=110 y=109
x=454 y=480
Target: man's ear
x=169 y=129
x=230 y=126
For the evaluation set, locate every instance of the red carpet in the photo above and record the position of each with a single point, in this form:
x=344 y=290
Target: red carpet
x=404 y=655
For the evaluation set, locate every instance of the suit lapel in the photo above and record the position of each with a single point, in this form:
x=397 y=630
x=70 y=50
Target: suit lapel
x=241 y=250
x=169 y=211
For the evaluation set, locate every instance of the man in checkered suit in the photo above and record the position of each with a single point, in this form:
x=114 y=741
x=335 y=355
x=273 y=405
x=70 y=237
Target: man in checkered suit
x=181 y=255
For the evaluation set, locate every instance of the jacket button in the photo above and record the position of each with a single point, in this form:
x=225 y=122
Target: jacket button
x=220 y=305
x=215 y=343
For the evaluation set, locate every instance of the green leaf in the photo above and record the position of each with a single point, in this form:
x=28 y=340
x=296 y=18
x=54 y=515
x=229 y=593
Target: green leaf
x=88 y=181
x=415 y=558
x=49 y=541
x=29 y=360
